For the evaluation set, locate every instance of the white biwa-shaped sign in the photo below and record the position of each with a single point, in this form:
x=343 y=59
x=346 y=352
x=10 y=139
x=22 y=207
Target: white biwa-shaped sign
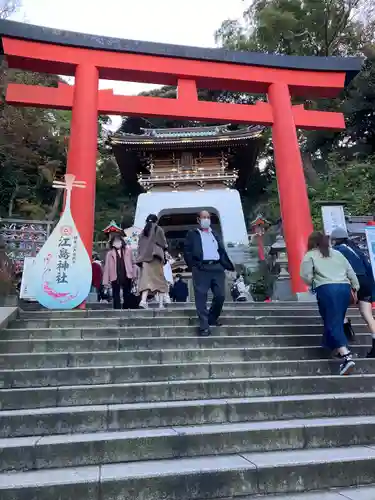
x=62 y=271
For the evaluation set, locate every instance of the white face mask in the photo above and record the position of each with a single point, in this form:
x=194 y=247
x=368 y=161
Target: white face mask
x=117 y=244
x=205 y=223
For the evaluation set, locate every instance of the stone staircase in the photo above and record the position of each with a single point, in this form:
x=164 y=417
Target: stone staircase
x=131 y=405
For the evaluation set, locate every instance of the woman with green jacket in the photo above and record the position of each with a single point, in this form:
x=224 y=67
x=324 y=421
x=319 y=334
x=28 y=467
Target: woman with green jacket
x=331 y=276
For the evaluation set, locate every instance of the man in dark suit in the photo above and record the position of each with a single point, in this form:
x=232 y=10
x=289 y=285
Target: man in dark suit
x=207 y=258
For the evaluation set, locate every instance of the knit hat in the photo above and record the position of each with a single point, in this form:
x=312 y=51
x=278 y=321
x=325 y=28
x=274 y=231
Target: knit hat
x=339 y=233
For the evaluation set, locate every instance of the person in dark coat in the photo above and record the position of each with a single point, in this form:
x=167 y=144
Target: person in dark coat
x=206 y=257
x=119 y=271
x=179 y=291
x=97 y=276
x=362 y=268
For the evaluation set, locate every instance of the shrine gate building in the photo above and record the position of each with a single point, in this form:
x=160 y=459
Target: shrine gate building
x=90 y=57
x=185 y=170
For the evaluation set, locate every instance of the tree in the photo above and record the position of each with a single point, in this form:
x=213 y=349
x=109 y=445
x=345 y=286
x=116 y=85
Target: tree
x=32 y=151
x=8 y=7
x=317 y=28
x=295 y=27
x=359 y=107
x=133 y=125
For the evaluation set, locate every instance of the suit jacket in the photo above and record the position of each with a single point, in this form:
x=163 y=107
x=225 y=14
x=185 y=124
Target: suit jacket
x=193 y=251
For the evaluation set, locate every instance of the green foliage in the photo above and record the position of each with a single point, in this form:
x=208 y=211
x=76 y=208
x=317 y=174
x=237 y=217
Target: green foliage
x=352 y=182
x=349 y=181
x=337 y=164
x=296 y=27
x=32 y=152
x=112 y=200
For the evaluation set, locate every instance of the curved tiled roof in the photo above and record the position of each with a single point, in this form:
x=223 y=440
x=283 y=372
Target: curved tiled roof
x=198 y=135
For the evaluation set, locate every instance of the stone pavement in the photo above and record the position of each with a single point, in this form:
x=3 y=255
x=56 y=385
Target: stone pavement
x=115 y=405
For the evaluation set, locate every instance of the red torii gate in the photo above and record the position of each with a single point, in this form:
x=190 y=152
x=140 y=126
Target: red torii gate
x=89 y=57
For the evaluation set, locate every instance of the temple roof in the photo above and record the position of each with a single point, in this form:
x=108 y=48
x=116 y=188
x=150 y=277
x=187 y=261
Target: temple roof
x=186 y=137
x=349 y=65
x=243 y=142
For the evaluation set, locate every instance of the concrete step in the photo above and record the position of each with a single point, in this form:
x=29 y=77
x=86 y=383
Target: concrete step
x=137 y=332
x=114 y=405
x=49 y=377
x=150 y=343
x=199 y=477
x=162 y=356
x=140 y=313
x=118 y=417
x=48 y=452
x=162 y=321
x=353 y=493
x=34 y=307
x=179 y=390
x=230 y=310
x=177 y=309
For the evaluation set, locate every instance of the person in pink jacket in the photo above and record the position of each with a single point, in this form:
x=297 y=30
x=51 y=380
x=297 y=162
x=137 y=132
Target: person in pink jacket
x=119 y=272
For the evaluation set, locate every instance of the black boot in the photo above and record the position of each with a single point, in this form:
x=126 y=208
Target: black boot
x=204 y=333
x=371 y=354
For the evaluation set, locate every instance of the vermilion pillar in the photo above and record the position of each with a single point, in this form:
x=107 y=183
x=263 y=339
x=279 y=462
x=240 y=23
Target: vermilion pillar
x=82 y=152
x=294 y=203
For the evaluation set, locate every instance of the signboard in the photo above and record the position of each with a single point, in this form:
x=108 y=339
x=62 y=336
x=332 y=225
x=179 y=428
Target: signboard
x=333 y=217
x=370 y=237
x=132 y=236
x=62 y=272
x=27 y=279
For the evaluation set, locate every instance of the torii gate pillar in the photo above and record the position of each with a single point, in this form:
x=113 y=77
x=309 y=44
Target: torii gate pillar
x=83 y=149
x=294 y=203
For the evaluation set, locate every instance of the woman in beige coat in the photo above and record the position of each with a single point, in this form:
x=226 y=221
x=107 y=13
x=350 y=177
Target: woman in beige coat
x=152 y=245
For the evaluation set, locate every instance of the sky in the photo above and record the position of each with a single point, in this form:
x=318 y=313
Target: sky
x=183 y=22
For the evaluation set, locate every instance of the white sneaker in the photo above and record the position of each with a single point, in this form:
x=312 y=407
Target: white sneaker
x=143 y=305
x=161 y=300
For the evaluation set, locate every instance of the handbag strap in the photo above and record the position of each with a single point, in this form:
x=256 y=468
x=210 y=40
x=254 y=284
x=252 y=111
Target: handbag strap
x=313 y=287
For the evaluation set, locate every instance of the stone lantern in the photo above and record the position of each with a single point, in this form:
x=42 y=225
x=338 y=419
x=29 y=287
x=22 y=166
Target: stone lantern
x=280 y=256
x=282 y=287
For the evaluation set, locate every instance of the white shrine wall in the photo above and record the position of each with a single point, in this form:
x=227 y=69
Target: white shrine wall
x=226 y=203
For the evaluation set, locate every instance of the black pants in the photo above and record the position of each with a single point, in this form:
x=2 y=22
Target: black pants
x=126 y=289
x=211 y=276
x=100 y=293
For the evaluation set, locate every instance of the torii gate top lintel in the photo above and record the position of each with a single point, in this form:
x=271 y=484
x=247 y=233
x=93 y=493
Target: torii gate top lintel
x=22 y=31
x=329 y=74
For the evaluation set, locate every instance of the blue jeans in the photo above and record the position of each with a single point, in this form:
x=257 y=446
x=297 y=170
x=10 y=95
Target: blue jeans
x=333 y=302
